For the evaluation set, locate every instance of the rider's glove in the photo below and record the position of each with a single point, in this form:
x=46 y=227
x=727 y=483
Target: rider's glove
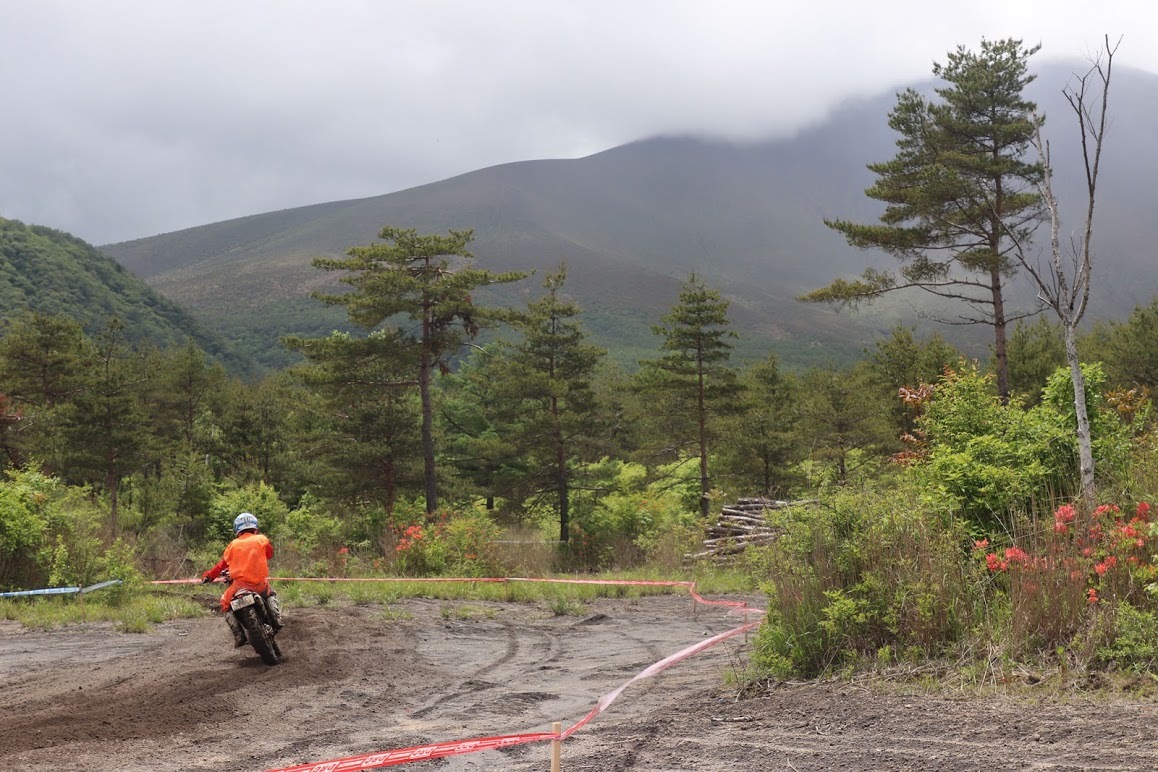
x=206 y=580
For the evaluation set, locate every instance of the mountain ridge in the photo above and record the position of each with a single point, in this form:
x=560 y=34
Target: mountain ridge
x=632 y=221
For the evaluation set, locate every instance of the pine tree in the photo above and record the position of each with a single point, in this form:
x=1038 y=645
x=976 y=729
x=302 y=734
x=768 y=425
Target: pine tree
x=960 y=196
x=761 y=442
x=364 y=436
x=543 y=393
x=105 y=427
x=692 y=383
x=843 y=418
x=411 y=276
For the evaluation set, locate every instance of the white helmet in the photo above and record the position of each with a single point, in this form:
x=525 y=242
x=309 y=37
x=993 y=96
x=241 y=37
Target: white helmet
x=244 y=522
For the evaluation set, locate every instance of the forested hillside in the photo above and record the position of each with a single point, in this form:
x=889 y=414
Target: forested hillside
x=52 y=272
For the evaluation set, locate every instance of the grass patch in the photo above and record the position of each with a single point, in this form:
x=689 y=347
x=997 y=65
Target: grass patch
x=134 y=614
x=137 y=611
x=563 y=606
x=391 y=614
x=320 y=593
x=468 y=611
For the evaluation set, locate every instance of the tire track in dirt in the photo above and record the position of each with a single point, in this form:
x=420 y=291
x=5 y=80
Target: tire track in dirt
x=180 y=699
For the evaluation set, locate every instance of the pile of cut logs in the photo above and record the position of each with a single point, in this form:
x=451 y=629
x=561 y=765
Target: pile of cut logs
x=740 y=524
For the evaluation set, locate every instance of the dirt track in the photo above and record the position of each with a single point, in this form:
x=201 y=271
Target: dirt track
x=357 y=680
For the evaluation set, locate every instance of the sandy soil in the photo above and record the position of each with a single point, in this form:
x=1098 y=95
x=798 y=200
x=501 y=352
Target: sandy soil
x=361 y=679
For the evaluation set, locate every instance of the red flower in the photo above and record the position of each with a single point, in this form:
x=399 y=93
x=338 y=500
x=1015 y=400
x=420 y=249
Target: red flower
x=1016 y=555
x=1143 y=510
x=1091 y=595
x=980 y=545
x=1101 y=569
x=995 y=563
x=1060 y=527
x=1065 y=514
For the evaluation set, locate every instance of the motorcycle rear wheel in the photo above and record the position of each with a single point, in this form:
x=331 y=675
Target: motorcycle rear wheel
x=259 y=636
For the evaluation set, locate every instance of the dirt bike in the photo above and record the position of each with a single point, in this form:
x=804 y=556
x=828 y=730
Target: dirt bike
x=260 y=618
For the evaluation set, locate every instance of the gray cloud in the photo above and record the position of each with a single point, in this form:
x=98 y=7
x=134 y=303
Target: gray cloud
x=127 y=118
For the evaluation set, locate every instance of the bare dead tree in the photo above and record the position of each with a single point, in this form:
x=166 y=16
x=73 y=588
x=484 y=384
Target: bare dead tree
x=1063 y=283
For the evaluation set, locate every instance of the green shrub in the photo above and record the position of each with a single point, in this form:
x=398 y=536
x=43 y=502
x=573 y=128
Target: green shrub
x=470 y=542
x=25 y=498
x=866 y=571
x=309 y=534
x=260 y=500
x=1134 y=639
x=633 y=520
x=985 y=459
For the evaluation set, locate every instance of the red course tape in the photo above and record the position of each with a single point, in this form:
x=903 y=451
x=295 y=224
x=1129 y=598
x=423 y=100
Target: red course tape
x=420 y=753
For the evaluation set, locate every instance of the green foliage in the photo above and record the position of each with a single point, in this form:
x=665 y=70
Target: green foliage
x=523 y=413
x=845 y=421
x=361 y=436
x=1111 y=438
x=987 y=459
x=307 y=532
x=50 y=272
x=130 y=612
x=1133 y=640
x=1035 y=351
x=260 y=500
x=903 y=362
x=871 y=570
x=422 y=550
x=1130 y=348
x=24 y=521
x=409 y=284
x=759 y=444
x=470 y=542
x=633 y=519
x=74 y=556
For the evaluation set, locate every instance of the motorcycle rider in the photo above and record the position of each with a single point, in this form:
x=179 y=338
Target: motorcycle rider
x=247 y=558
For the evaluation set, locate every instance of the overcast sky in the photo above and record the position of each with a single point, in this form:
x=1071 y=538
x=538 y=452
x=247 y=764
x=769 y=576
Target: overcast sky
x=128 y=118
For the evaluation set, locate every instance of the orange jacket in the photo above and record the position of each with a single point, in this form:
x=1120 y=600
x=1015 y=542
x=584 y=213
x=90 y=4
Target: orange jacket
x=247 y=558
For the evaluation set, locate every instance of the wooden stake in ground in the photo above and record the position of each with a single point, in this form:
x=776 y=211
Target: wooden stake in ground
x=556 y=748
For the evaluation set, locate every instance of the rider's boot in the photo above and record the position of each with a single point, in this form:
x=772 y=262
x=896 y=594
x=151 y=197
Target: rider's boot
x=274 y=610
x=236 y=628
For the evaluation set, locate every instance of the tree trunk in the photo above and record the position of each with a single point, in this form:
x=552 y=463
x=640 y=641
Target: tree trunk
x=111 y=485
x=1000 y=356
x=561 y=475
x=703 y=427
x=1085 y=443
x=424 y=375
